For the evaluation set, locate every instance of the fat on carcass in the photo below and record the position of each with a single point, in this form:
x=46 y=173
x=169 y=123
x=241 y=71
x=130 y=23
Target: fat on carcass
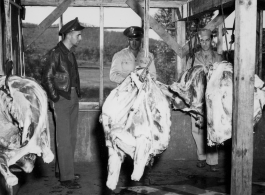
x=136 y=121
x=219 y=98
x=190 y=93
x=24 y=125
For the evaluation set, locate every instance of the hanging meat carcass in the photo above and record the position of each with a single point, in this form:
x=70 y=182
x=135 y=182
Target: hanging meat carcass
x=219 y=97
x=24 y=127
x=136 y=121
x=190 y=89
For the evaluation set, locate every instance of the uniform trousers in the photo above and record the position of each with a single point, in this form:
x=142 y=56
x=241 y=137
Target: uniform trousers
x=204 y=152
x=66 y=119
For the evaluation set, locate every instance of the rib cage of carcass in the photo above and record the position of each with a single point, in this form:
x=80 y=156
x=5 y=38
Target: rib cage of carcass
x=24 y=125
x=136 y=121
x=219 y=98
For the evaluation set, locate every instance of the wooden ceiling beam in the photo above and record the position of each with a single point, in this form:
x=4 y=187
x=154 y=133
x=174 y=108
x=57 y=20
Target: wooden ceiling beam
x=105 y=3
x=197 y=8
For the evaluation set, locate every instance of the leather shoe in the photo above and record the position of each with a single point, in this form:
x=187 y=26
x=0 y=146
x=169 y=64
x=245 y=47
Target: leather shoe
x=76 y=176
x=70 y=184
x=201 y=163
x=214 y=168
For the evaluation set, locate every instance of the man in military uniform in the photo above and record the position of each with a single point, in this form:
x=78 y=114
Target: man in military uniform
x=124 y=61
x=205 y=56
x=62 y=84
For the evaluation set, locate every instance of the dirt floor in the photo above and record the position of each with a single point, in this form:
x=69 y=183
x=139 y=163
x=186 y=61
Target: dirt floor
x=163 y=178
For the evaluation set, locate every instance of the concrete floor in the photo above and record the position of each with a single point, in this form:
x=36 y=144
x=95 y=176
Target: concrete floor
x=163 y=178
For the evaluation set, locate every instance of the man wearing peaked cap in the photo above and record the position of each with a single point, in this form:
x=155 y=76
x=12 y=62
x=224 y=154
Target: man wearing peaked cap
x=206 y=56
x=62 y=84
x=134 y=32
x=125 y=61
x=73 y=25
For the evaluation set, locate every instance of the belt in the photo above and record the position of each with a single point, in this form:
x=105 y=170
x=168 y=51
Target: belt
x=73 y=87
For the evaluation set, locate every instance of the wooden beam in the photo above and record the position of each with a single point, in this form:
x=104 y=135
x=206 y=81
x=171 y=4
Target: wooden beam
x=1 y=41
x=220 y=40
x=243 y=97
x=200 y=7
x=181 y=39
x=101 y=59
x=259 y=43
x=158 y=28
x=8 y=34
x=105 y=3
x=48 y=21
x=218 y=20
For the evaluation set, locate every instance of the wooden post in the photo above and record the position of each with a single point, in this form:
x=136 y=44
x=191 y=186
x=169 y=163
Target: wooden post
x=8 y=35
x=60 y=26
x=101 y=59
x=220 y=40
x=181 y=39
x=1 y=42
x=243 y=98
x=259 y=73
x=146 y=28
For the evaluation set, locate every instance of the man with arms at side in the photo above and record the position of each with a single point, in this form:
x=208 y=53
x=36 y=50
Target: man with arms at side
x=124 y=61
x=62 y=84
x=205 y=56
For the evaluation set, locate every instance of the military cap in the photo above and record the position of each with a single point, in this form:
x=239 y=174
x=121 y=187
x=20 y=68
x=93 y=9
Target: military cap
x=73 y=25
x=205 y=32
x=133 y=32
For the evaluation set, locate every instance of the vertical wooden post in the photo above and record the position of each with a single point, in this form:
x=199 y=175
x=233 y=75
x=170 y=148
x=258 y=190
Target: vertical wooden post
x=1 y=41
x=220 y=40
x=181 y=39
x=101 y=60
x=60 y=26
x=243 y=98
x=20 y=44
x=8 y=35
x=260 y=43
x=146 y=28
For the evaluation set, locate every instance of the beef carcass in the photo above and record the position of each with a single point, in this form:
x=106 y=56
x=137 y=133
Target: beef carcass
x=136 y=121
x=190 y=89
x=219 y=98
x=24 y=125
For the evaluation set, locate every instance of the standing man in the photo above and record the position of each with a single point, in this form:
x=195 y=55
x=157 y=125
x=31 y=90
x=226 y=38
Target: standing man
x=62 y=84
x=124 y=61
x=205 y=56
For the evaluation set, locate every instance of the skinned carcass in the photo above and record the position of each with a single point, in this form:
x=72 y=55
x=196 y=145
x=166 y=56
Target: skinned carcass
x=190 y=89
x=219 y=98
x=136 y=121
x=24 y=127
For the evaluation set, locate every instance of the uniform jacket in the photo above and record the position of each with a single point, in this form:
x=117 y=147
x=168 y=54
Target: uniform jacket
x=56 y=78
x=123 y=63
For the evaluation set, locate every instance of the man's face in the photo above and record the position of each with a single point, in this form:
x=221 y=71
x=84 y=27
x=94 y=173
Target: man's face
x=205 y=42
x=135 y=43
x=75 y=37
